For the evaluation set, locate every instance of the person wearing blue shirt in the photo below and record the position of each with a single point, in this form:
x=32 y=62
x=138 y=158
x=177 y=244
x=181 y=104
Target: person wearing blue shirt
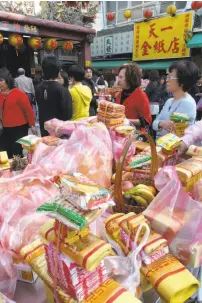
x=182 y=75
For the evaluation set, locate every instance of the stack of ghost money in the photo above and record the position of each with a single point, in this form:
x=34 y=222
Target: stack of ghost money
x=111 y=114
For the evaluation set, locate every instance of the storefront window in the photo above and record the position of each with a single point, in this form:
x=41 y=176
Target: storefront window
x=111 y=6
x=138 y=7
x=122 y=4
x=120 y=17
x=180 y=4
x=164 y=5
x=135 y=3
x=137 y=13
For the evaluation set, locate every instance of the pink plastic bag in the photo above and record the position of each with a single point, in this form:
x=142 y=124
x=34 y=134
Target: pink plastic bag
x=8 y=274
x=4 y=299
x=118 y=143
x=177 y=217
x=58 y=128
x=88 y=151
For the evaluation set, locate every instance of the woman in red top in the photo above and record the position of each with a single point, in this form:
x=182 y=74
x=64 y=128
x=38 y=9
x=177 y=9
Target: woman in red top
x=137 y=108
x=17 y=115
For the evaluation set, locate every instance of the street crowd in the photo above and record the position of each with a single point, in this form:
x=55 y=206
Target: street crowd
x=149 y=98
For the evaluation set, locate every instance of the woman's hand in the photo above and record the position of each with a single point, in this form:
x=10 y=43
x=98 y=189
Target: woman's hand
x=169 y=125
x=182 y=148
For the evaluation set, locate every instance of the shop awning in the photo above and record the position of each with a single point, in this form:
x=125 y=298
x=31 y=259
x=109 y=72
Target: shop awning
x=196 y=41
x=108 y=64
x=160 y=65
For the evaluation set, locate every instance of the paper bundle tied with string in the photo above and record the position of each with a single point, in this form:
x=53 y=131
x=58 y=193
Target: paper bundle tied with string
x=83 y=192
x=110 y=114
x=123 y=230
x=78 y=282
x=70 y=215
x=87 y=252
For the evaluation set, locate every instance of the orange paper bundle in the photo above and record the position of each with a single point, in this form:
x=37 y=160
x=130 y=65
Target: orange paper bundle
x=110 y=114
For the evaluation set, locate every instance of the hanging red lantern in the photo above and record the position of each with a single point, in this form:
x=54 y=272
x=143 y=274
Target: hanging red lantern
x=68 y=46
x=171 y=10
x=15 y=40
x=110 y=16
x=196 y=5
x=35 y=42
x=1 y=38
x=51 y=44
x=148 y=13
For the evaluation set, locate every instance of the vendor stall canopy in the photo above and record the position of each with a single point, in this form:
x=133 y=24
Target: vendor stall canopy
x=196 y=41
x=159 y=65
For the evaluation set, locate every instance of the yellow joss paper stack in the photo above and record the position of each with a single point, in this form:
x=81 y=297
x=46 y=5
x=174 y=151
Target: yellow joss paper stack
x=173 y=282
x=4 y=162
x=189 y=172
x=109 y=291
x=181 y=123
x=74 y=256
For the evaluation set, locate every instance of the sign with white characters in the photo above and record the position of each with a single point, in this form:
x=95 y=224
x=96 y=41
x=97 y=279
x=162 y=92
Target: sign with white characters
x=120 y=43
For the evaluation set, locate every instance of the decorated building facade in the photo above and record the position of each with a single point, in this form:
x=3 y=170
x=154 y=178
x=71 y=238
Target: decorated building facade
x=31 y=30
x=153 y=33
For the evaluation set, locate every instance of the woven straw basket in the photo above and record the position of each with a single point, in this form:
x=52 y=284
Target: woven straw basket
x=140 y=176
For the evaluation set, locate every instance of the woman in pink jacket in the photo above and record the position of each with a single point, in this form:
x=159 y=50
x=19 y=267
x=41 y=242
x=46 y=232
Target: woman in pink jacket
x=192 y=135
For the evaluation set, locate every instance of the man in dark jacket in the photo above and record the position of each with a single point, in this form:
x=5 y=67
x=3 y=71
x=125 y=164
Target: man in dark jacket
x=89 y=82
x=53 y=100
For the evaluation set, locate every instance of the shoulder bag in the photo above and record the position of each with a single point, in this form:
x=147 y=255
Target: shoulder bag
x=1 y=117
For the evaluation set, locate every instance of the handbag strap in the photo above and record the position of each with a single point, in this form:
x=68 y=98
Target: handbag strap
x=3 y=106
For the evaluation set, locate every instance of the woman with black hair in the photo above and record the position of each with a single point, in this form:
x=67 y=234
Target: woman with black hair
x=53 y=100
x=81 y=94
x=164 y=91
x=88 y=81
x=16 y=114
x=63 y=78
x=153 y=91
x=181 y=77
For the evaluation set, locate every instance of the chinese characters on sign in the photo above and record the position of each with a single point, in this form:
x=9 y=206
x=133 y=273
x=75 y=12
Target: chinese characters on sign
x=18 y=28
x=108 y=45
x=122 y=44
x=162 y=38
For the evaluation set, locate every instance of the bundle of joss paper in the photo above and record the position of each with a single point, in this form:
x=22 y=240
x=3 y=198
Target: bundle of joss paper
x=108 y=291
x=173 y=282
x=4 y=161
x=29 y=143
x=181 y=122
x=72 y=254
x=110 y=114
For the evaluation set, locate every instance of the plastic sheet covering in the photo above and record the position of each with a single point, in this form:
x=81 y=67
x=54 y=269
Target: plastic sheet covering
x=88 y=151
x=19 y=224
x=8 y=275
x=177 y=217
